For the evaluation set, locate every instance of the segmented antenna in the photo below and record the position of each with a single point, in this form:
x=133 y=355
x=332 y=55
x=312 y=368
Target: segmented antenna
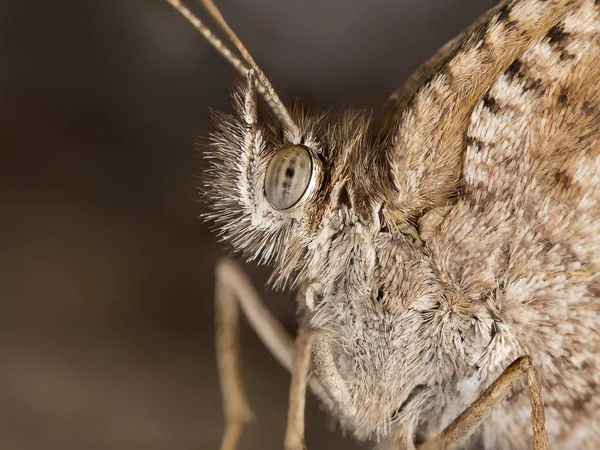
x=265 y=87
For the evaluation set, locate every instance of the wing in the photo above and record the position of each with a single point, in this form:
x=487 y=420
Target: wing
x=391 y=112
x=534 y=138
x=497 y=159
x=533 y=152
x=428 y=148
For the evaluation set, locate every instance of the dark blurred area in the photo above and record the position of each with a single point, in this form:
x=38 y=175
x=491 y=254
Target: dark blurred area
x=106 y=274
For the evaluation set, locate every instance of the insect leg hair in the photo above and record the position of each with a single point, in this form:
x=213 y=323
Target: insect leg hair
x=471 y=418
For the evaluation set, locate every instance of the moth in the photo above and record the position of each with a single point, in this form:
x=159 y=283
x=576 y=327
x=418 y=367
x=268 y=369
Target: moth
x=446 y=250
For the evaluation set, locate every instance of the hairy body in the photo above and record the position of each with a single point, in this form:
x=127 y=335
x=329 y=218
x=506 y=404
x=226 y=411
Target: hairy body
x=453 y=233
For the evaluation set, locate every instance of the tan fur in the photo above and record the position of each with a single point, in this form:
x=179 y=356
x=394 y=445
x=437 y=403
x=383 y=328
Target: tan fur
x=442 y=246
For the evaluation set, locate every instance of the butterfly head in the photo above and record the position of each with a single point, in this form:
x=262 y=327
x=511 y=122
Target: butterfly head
x=280 y=189
x=279 y=193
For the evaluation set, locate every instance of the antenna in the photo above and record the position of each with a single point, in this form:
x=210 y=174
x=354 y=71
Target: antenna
x=265 y=87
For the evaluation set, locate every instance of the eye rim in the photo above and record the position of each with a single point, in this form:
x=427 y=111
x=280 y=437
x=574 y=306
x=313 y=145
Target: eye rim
x=309 y=188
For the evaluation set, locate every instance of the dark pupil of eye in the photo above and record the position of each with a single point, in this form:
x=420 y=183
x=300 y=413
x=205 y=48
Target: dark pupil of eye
x=289 y=172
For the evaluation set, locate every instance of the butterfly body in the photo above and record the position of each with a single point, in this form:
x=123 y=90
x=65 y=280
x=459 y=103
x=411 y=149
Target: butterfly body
x=438 y=241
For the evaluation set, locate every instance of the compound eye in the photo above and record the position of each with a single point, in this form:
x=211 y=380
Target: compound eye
x=288 y=176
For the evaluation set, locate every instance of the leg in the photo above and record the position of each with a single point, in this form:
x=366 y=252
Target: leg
x=470 y=419
x=294 y=433
x=232 y=286
x=313 y=353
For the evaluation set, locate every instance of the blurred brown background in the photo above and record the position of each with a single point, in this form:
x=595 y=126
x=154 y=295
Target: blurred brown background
x=106 y=282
